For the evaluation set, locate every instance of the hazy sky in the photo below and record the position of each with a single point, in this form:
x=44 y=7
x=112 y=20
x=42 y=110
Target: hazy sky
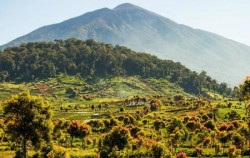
x=229 y=18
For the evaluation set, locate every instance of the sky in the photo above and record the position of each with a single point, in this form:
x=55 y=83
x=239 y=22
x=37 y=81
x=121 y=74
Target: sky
x=229 y=18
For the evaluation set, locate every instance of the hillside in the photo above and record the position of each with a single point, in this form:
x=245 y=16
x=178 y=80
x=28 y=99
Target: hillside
x=94 y=61
x=64 y=87
x=139 y=29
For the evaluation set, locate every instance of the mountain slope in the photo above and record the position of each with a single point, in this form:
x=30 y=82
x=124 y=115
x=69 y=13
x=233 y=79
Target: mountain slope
x=94 y=61
x=142 y=30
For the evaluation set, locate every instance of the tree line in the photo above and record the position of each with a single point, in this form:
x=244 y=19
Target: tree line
x=41 y=60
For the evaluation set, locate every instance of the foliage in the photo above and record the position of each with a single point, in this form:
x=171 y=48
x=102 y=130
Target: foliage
x=58 y=152
x=42 y=60
x=28 y=118
x=244 y=90
x=71 y=92
x=155 y=104
x=243 y=93
x=78 y=129
x=158 y=150
x=117 y=138
x=175 y=123
x=233 y=115
x=171 y=130
x=181 y=155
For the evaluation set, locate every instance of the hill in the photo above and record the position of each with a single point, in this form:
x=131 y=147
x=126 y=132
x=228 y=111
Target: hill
x=79 y=89
x=142 y=30
x=94 y=61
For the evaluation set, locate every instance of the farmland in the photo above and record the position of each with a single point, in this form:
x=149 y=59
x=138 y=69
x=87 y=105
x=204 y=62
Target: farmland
x=174 y=121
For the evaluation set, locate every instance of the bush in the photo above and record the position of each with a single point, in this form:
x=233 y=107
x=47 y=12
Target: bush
x=58 y=152
x=209 y=124
x=229 y=105
x=71 y=92
x=122 y=110
x=233 y=115
x=181 y=155
x=120 y=118
x=52 y=151
x=158 y=150
x=198 y=151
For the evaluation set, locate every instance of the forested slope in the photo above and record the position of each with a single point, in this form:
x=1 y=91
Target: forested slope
x=94 y=60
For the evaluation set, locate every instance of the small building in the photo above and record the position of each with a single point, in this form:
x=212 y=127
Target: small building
x=95 y=116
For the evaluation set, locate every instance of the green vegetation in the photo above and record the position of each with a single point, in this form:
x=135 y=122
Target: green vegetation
x=129 y=114
x=28 y=118
x=158 y=126
x=93 y=60
x=77 y=88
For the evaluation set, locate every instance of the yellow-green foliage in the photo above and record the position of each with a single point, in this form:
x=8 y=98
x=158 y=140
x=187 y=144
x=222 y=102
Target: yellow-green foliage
x=28 y=118
x=58 y=152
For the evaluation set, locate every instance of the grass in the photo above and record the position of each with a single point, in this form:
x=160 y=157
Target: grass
x=224 y=111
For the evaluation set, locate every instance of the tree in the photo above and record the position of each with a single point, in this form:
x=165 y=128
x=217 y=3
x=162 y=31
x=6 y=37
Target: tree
x=158 y=150
x=237 y=140
x=60 y=130
x=118 y=137
x=209 y=124
x=28 y=118
x=71 y=92
x=223 y=138
x=41 y=60
x=175 y=122
x=175 y=138
x=243 y=93
x=3 y=75
x=93 y=107
x=158 y=124
x=78 y=129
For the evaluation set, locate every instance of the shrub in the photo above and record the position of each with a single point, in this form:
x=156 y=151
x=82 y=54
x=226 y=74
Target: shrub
x=122 y=110
x=209 y=124
x=198 y=151
x=181 y=155
x=58 y=152
x=204 y=118
x=229 y=105
x=71 y=92
x=158 y=150
x=233 y=115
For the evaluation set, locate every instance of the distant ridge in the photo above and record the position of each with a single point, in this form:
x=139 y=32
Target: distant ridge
x=142 y=30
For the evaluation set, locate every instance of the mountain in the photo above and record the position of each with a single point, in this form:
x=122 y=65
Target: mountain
x=142 y=30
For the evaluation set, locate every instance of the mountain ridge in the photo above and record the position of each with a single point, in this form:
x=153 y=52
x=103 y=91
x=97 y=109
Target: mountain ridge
x=145 y=31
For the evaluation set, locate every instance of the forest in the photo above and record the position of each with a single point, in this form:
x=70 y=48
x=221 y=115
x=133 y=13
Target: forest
x=94 y=60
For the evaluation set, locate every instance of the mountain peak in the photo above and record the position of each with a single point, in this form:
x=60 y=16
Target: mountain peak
x=145 y=31
x=126 y=6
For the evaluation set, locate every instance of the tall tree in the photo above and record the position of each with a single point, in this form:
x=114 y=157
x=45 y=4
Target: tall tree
x=28 y=118
x=78 y=129
x=244 y=95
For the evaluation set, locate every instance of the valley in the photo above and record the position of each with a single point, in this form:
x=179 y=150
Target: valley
x=91 y=99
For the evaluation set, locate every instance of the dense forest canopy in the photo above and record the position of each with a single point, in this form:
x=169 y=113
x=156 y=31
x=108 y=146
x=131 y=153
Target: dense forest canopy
x=41 y=60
